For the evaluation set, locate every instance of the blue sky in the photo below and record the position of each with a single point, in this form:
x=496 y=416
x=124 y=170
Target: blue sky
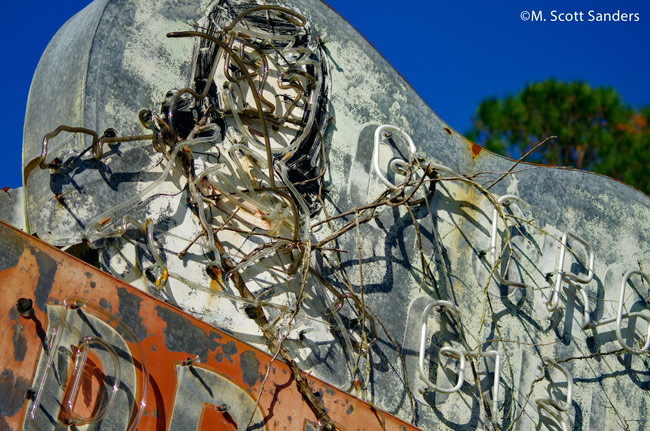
x=454 y=54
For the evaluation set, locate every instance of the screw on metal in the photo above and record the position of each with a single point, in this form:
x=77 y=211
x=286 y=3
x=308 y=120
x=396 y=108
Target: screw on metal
x=191 y=361
x=30 y=394
x=25 y=307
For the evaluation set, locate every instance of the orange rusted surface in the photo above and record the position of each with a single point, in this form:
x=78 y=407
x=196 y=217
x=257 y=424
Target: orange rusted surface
x=32 y=269
x=476 y=150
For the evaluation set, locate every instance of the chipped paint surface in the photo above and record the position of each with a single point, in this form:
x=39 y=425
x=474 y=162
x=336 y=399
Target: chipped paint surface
x=182 y=336
x=12 y=207
x=250 y=368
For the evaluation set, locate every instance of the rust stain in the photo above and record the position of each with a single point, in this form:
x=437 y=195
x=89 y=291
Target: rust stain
x=476 y=150
x=59 y=199
x=216 y=285
x=448 y=130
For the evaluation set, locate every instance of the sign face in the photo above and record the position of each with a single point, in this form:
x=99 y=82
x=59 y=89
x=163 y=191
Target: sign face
x=451 y=287
x=90 y=352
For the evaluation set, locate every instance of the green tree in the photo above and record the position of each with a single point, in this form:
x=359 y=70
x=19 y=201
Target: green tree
x=595 y=130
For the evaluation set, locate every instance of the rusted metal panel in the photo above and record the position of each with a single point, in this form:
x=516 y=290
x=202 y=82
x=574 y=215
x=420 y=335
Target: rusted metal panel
x=198 y=376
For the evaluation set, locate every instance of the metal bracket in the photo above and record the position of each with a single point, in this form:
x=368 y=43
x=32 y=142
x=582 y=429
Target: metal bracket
x=554 y=407
x=571 y=279
x=444 y=351
x=450 y=352
x=620 y=316
x=396 y=164
x=494 y=254
x=453 y=353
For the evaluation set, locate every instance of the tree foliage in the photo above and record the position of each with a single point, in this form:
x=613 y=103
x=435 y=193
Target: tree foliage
x=595 y=130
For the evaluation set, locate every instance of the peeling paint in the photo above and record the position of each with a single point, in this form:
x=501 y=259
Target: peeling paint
x=214 y=336
x=249 y=367
x=106 y=305
x=13 y=249
x=46 y=269
x=129 y=312
x=20 y=343
x=229 y=349
x=181 y=335
x=12 y=393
